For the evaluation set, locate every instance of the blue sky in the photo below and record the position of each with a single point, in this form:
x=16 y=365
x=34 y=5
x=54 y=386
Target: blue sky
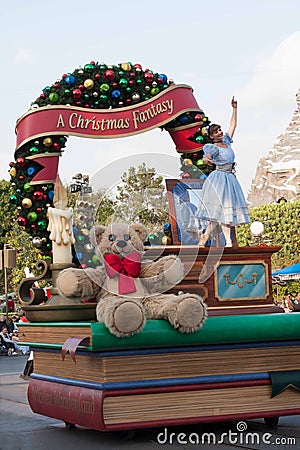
x=247 y=49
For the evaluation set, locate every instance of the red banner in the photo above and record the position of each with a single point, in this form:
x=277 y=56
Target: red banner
x=108 y=123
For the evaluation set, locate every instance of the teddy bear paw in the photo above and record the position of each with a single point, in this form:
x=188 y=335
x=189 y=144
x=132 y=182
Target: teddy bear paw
x=188 y=314
x=126 y=318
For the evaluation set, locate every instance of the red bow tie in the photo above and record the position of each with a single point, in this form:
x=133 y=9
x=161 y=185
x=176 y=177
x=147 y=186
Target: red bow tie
x=125 y=268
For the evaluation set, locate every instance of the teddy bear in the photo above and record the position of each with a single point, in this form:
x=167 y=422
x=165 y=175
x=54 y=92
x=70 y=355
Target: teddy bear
x=129 y=288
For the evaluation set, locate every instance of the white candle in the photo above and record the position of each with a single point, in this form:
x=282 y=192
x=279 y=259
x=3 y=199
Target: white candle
x=60 y=226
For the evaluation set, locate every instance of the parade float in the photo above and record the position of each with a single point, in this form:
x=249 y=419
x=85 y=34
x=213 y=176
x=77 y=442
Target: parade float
x=242 y=363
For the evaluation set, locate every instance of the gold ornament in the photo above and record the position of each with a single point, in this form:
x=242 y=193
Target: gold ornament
x=88 y=84
x=26 y=203
x=187 y=162
x=47 y=142
x=13 y=172
x=126 y=67
x=166 y=240
x=204 y=131
x=85 y=231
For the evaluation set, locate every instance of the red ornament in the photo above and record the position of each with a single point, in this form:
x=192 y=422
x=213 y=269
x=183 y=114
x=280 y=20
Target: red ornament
x=132 y=75
x=21 y=162
x=81 y=87
x=56 y=85
x=21 y=221
x=76 y=93
x=97 y=76
x=109 y=75
x=37 y=195
x=78 y=103
x=198 y=117
x=21 y=177
x=93 y=63
x=185 y=175
x=114 y=85
x=137 y=66
x=11 y=164
x=38 y=209
x=64 y=75
x=131 y=82
x=55 y=145
x=148 y=77
x=195 y=155
x=128 y=101
x=86 y=105
x=33 y=226
x=42 y=96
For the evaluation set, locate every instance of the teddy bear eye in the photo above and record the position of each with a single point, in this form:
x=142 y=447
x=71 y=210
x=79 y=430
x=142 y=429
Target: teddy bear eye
x=126 y=237
x=112 y=237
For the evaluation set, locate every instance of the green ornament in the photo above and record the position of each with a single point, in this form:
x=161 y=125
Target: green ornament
x=200 y=162
x=80 y=238
x=32 y=216
x=86 y=96
x=154 y=91
x=104 y=87
x=103 y=98
x=123 y=82
x=139 y=81
x=200 y=139
x=13 y=199
x=42 y=224
x=49 y=246
x=95 y=259
x=53 y=97
x=67 y=91
x=33 y=150
x=128 y=89
x=89 y=67
x=28 y=187
x=121 y=73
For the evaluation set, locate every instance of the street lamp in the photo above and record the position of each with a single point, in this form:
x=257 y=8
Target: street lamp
x=8 y=258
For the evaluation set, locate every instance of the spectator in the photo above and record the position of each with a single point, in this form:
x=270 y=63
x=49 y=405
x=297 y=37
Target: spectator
x=13 y=324
x=23 y=317
x=288 y=304
x=10 y=304
x=7 y=342
x=3 y=322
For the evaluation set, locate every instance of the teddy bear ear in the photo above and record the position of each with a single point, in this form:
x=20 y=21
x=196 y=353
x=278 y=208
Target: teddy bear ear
x=96 y=234
x=140 y=229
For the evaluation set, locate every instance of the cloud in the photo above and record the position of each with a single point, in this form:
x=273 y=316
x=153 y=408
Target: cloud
x=276 y=78
x=266 y=105
x=23 y=55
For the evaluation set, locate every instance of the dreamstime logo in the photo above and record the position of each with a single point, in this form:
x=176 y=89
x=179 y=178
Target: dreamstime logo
x=241 y=437
x=184 y=213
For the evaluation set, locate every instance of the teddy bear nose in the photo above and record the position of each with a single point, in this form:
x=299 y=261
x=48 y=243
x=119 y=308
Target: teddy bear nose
x=121 y=244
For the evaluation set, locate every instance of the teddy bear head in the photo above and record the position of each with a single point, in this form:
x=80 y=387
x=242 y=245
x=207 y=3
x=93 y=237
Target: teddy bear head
x=118 y=238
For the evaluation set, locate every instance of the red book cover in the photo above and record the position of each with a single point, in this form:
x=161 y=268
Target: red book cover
x=73 y=404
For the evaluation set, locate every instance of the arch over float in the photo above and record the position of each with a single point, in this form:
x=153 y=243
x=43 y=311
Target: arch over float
x=96 y=101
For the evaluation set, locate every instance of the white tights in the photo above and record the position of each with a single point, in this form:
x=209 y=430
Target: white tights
x=226 y=231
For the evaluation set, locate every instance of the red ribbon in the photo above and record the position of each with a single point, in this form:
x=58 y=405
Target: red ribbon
x=125 y=268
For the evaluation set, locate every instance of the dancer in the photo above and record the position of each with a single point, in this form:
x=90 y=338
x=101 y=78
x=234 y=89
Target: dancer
x=223 y=201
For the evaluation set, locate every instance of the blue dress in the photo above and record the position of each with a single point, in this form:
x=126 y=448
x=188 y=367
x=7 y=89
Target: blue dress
x=222 y=199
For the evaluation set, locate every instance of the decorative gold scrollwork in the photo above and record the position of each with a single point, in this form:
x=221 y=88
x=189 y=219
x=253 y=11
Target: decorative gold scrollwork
x=240 y=277
x=29 y=295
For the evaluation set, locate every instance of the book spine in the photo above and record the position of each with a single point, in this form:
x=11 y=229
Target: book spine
x=72 y=404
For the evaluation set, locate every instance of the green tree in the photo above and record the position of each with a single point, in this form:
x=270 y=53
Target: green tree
x=142 y=197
